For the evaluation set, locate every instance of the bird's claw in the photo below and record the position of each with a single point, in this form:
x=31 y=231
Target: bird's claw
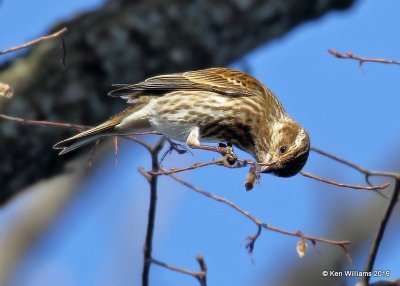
x=230 y=158
x=227 y=151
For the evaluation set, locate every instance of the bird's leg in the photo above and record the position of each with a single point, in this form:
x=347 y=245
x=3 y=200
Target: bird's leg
x=173 y=146
x=223 y=149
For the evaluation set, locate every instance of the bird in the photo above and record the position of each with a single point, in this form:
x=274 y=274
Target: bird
x=213 y=105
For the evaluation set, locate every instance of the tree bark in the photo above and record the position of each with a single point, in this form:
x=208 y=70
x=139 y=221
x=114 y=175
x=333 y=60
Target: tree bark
x=124 y=42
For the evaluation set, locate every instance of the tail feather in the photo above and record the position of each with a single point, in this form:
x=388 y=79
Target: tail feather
x=77 y=143
x=86 y=137
x=105 y=129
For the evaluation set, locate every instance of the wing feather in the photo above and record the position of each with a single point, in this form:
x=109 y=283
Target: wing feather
x=220 y=80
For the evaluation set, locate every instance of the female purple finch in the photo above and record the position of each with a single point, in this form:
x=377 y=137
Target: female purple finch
x=212 y=105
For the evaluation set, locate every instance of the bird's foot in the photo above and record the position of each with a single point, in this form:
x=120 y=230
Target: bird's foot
x=175 y=147
x=226 y=150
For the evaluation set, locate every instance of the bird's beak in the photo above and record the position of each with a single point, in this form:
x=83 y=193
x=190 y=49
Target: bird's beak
x=268 y=169
x=270 y=166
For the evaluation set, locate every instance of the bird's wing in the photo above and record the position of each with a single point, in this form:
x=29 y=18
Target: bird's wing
x=221 y=80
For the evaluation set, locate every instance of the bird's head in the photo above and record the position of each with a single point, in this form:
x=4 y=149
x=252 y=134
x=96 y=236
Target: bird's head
x=288 y=150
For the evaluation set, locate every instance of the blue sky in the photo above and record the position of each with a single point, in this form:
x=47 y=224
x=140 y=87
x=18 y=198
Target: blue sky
x=348 y=111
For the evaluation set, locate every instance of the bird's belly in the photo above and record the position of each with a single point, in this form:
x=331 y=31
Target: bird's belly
x=174 y=129
x=178 y=128
x=176 y=115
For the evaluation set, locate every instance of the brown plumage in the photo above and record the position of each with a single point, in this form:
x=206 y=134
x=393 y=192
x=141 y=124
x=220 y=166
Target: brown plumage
x=212 y=105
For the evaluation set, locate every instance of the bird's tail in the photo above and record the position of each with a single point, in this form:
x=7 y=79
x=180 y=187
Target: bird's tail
x=105 y=129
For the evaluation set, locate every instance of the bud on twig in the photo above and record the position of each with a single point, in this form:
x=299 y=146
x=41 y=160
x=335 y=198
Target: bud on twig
x=252 y=178
x=301 y=247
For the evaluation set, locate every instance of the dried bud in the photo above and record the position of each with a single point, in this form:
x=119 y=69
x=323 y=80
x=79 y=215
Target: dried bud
x=252 y=178
x=301 y=247
x=6 y=90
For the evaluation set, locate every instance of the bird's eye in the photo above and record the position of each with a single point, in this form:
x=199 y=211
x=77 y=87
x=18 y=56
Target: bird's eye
x=283 y=149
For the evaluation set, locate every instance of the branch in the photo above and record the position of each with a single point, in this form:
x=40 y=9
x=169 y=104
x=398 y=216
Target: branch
x=89 y=163
x=392 y=202
x=199 y=275
x=360 y=187
x=379 y=235
x=222 y=161
x=148 y=245
x=152 y=179
x=361 y=60
x=36 y=41
x=204 y=269
x=354 y=166
x=195 y=166
x=75 y=126
x=44 y=123
x=156 y=171
x=243 y=163
x=176 y=268
x=259 y=223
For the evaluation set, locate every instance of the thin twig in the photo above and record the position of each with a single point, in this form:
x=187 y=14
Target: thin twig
x=144 y=173
x=251 y=240
x=148 y=259
x=64 y=54
x=148 y=245
x=379 y=234
x=116 y=149
x=361 y=60
x=204 y=269
x=360 y=187
x=199 y=275
x=44 y=123
x=355 y=166
x=89 y=163
x=74 y=126
x=258 y=222
x=35 y=42
x=195 y=166
x=221 y=162
x=152 y=175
